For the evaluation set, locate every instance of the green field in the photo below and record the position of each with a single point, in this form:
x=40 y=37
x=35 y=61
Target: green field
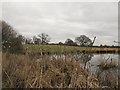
x=67 y=49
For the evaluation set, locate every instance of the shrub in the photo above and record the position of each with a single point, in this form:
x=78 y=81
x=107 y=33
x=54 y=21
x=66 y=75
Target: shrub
x=11 y=41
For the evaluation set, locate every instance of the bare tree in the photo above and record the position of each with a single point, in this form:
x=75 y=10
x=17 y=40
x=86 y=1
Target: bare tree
x=116 y=42
x=93 y=41
x=44 y=38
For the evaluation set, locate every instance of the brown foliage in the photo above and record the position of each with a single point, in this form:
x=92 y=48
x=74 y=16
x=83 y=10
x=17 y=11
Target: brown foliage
x=20 y=71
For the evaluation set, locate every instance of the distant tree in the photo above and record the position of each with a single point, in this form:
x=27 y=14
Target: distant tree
x=60 y=43
x=22 y=38
x=28 y=41
x=36 y=40
x=112 y=46
x=11 y=41
x=70 y=42
x=117 y=42
x=44 y=38
x=101 y=45
x=0 y=36
x=91 y=44
x=83 y=40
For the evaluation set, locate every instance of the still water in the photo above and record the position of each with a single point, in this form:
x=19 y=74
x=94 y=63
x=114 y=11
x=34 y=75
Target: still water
x=98 y=58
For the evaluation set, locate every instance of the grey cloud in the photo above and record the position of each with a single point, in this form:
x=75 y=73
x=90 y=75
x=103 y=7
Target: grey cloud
x=64 y=20
x=95 y=12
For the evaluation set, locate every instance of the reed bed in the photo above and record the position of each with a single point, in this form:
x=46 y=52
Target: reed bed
x=107 y=64
x=19 y=71
x=108 y=73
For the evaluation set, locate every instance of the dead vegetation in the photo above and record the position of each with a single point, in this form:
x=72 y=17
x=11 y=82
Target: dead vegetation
x=19 y=71
x=107 y=64
x=108 y=73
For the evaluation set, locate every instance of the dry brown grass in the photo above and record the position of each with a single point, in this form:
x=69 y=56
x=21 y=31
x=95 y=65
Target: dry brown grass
x=109 y=78
x=108 y=73
x=107 y=65
x=0 y=70
x=19 y=71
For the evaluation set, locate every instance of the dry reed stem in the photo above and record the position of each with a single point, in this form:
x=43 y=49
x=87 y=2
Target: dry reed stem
x=34 y=74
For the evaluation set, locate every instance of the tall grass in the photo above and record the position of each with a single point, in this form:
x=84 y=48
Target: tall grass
x=68 y=49
x=107 y=64
x=108 y=78
x=19 y=71
x=108 y=73
x=0 y=70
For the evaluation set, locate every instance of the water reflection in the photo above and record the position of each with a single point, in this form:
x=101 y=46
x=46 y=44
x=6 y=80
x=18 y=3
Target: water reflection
x=85 y=58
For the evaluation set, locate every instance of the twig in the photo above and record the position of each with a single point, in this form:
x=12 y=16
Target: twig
x=8 y=76
x=107 y=59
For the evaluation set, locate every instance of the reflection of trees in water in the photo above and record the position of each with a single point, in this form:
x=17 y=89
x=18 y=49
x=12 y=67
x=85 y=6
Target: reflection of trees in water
x=108 y=77
x=85 y=58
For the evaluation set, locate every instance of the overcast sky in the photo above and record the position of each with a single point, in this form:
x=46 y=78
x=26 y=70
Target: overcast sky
x=62 y=20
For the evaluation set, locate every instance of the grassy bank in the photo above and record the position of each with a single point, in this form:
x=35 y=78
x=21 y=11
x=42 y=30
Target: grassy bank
x=19 y=71
x=68 y=49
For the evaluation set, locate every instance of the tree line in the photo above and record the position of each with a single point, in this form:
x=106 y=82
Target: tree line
x=44 y=38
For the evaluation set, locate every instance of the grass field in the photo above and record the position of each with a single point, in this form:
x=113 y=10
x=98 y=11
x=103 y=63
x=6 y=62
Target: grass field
x=68 y=49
